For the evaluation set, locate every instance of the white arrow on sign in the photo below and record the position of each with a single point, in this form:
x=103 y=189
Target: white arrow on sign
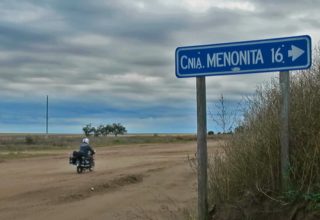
x=295 y=52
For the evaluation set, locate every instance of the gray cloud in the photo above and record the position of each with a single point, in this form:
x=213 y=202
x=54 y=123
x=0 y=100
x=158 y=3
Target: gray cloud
x=123 y=51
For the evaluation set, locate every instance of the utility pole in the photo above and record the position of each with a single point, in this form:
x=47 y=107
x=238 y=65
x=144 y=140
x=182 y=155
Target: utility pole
x=47 y=115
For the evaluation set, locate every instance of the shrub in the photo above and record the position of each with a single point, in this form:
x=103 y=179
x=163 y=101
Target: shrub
x=29 y=140
x=250 y=160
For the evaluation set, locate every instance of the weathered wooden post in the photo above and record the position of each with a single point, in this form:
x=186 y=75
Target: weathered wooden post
x=284 y=128
x=202 y=149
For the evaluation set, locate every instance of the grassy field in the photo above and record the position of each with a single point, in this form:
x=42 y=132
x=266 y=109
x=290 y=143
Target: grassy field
x=13 y=146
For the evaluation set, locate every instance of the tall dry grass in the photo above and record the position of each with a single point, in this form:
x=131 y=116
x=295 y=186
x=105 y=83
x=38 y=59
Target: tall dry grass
x=250 y=160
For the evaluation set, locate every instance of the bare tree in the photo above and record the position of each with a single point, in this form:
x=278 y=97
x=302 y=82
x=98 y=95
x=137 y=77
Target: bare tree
x=223 y=115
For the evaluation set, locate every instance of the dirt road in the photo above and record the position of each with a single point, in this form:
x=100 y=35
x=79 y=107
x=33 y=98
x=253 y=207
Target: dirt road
x=148 y=181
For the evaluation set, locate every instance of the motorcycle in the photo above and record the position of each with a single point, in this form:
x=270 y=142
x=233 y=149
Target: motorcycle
x=82 y=162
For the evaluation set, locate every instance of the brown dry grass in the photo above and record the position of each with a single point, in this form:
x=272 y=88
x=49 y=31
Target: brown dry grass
x=250 y=160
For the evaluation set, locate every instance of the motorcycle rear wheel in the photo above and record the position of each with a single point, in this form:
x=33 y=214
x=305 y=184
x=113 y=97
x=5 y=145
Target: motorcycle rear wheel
x=79 y=169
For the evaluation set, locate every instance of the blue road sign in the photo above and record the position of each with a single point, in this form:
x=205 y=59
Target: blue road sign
x=279 y=54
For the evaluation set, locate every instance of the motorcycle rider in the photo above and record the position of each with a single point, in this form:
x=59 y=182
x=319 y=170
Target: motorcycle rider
x=86 y=150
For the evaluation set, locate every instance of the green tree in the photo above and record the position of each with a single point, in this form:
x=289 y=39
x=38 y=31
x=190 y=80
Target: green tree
x=118 y=129
x=88 y=130
x=98 y=131
x=107 y=129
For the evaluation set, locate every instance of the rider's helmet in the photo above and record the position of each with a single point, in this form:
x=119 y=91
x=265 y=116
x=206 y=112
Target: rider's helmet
x=85 y=140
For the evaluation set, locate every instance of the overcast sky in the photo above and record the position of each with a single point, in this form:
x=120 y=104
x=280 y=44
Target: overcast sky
x=106 y=61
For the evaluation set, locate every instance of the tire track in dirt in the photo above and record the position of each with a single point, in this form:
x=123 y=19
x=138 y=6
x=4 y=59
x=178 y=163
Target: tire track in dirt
x=101 y=188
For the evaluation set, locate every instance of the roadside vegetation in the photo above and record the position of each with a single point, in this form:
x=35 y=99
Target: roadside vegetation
x=104 y=130
x=22 y=146
x=244 y=178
